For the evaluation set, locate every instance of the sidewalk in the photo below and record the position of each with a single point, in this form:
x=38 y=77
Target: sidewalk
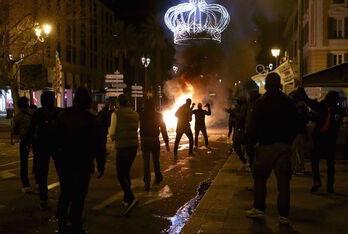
x=222 y=209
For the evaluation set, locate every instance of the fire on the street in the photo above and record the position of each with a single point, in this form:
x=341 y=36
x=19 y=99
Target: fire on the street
x=169 y=114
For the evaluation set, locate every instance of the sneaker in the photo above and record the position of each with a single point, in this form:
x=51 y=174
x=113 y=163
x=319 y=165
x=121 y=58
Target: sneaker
x=284 y=220
x=255 y=213
x=130 y=206
x=315 y=187
x=26 y=190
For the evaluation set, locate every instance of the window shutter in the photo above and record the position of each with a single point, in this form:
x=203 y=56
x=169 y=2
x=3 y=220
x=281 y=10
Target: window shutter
x=330 y=60
x=331 y=28
x=346 y=27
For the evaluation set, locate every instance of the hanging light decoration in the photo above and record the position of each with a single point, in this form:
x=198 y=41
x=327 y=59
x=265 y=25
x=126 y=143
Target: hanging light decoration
x=197 y=20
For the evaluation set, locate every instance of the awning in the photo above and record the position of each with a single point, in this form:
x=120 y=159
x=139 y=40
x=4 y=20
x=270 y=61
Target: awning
x=336 y=76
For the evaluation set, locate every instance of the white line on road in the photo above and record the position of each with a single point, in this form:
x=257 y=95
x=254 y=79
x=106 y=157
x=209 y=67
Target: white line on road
x=52 y=186
x=11 y=163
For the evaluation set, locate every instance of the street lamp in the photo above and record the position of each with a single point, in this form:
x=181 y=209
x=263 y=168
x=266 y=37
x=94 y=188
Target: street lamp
x=42 y=31
x=276 y=53
x=175 y=69
x=146 y=62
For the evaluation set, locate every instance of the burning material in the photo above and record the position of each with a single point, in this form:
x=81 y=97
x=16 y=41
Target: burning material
x=180 y=95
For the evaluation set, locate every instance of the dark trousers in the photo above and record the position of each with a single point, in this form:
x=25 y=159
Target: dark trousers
x=238 y=141
x=320 y=148
x=276 y=157
x=73 y=191
x=250 y=148
x=124 y=161
x=179 y=134
x=204 y=131
x=43 y=160
x=24 y=156
x=153 y=149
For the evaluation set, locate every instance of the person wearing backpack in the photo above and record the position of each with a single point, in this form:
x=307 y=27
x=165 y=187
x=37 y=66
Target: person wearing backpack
x=21 y=122
x=328 y=118
x=43 y=137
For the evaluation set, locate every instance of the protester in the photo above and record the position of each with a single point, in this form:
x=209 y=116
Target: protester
x=328 y=119
x=124 y=130
x=273 y=125
x=184 y=115
x=298 y=152
x=239 y=136
x=43 y=137
x=151 y=124
x=231 y=120
x=200 y=123
x=104 y=120
x=21 y=123
x=79 y=144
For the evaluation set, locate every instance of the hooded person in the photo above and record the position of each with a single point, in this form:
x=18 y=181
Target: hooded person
x=124 y=131
x=79 y=144
x=151 y=125
x=43 y=137
x=21 y=123
x=328 y=119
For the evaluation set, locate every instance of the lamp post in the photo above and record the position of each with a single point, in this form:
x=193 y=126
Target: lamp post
x=146 y=63
x=42 y=32
x=276 y=53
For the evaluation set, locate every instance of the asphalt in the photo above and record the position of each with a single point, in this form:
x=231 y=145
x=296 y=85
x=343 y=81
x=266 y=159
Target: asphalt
x=222 y=209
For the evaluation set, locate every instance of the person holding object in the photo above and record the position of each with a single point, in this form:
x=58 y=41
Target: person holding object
x=200 y=123
x=151 y=124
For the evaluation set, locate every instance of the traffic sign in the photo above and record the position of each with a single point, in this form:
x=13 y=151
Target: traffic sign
x=137 y=95
x=114 y=94
x=137 y=91
x=137 y=87
x=114 y=76
x=119 y=85
x=115 y=90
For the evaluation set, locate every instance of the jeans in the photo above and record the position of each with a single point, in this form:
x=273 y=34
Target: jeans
x=153 y=149
x=238 y=141
x=204 y=131
x=124 y=161
x=179 y=134
x=329 y=150
x=24 y=156
x=276 y=157
x=73 y=191
x=297 y=159
x=43 y=160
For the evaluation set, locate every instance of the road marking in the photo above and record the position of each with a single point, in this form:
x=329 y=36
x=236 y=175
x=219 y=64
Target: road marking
x=52 y=186
x=7 y=174
x=11 y=163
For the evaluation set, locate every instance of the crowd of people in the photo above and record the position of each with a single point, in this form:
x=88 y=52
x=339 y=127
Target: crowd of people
x=269 y=129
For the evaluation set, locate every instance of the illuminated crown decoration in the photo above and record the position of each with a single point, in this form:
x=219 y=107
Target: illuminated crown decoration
x=197 y=20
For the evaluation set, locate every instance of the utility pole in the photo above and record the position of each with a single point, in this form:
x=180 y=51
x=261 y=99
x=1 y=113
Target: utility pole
x=300 y=38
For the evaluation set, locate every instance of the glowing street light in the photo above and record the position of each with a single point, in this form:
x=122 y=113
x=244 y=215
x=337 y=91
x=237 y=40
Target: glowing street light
x=42 y=31
x=47 y=29
x=175 y=69
x=276 y=53
x=146 y=62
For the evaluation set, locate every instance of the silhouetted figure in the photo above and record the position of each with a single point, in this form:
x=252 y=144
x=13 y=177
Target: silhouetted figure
x=239 y=136
x=104 y=120
x=151 y=124
x=328 y=119
x=274 y=126
x=43 y=133
x=200 y=123
x=184 y=115
x=79 y=144
x=124 y=130
x=231 y=120
x=21 y=123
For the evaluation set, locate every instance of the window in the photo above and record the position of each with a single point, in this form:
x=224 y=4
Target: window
x=338 y=1
x=338 y=28
x=336 y=58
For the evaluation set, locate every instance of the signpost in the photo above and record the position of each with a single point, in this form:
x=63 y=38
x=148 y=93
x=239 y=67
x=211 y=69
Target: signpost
x=116 y=82
x=137 y=92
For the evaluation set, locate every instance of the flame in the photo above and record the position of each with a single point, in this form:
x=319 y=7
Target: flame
x=180 y=99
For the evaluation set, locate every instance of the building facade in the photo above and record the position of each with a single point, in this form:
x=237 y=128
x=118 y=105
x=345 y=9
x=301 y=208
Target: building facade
x=324 y=34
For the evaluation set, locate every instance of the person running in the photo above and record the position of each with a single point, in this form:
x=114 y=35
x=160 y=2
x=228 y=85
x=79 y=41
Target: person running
x=79 y=143
x=21 y=123
x=274 y=126
x=328 y=119
x=124 y=131
x=151 y=124
x=184 y=115
x=200 y=123
x=43 y=137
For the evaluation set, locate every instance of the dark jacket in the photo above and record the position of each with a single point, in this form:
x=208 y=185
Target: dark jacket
x=79 y=140
x=21 y=123
x=184 y=115
x=232 y=115
x=250 y=112
x=241 y=113
x=43 y=128
x=151 y=124
x=126 y=133
x=303 y=117
x=200 y=117
x=274 y=119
